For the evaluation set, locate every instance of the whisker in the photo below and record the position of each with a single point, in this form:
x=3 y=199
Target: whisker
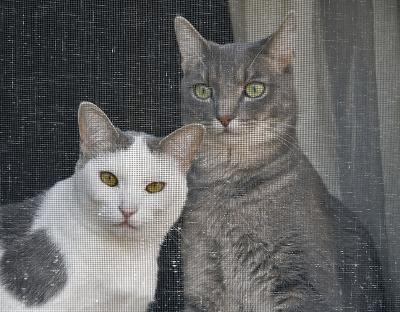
x=320 y=134
x=256 y=56
x=284 y=143
x=283 y=140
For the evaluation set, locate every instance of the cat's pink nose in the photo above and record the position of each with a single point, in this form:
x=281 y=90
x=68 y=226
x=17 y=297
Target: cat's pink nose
x=128 y=212
x=225 y=120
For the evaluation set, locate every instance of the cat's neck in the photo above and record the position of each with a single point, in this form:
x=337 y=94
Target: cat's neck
x=242 y=152
x=219 y=163
x=59 y=208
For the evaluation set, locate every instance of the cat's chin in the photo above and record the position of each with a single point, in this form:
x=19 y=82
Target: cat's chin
x=123 y=229
x=234 y=129
x=224 y=132
x=124 y=233
x=128 y=226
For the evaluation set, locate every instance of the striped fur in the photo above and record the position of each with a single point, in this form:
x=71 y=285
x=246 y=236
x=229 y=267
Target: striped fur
x=261 y=232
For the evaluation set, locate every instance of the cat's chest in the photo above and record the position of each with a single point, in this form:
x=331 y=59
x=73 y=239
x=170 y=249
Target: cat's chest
x=111 y=279
x=220 y=207
x=112 y=269
x=237 y=205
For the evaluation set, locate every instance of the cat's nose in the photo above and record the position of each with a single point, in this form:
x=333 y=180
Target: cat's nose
x=225 y=120
x=128 y=212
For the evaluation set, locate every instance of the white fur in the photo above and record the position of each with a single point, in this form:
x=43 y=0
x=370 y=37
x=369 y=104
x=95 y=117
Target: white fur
x=109 y=268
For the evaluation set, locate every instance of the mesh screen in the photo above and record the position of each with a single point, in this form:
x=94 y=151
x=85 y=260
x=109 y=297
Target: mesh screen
x=123 y=56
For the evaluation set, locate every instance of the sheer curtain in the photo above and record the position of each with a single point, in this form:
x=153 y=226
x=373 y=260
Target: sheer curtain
x=348 y=87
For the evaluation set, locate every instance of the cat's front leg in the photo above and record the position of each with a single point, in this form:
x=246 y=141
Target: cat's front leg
x=276 y=276
x=203 y=286
x=224 y=305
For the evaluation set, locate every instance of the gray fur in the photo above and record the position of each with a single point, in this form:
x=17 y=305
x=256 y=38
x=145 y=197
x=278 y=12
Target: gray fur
x=33 y=269
x=124 y=140
x=260 y=231
x=16 y=219
x=98 y=135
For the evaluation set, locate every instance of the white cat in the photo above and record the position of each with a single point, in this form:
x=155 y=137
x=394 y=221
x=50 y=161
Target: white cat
x=91 y=242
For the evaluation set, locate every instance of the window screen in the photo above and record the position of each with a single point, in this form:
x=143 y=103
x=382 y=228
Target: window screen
x=124 y=56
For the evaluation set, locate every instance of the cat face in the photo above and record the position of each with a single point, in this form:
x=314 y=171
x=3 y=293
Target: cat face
x=130 y=183
x=133 y=189
x=242 y=92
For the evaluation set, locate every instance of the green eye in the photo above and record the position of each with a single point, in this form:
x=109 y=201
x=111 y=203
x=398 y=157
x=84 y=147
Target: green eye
x=155 y=187
x=108 y=178
x=254 y=89
x=202 y=91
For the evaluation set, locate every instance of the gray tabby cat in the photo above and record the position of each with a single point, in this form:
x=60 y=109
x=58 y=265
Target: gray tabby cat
x=91 y=242
x=260 y=230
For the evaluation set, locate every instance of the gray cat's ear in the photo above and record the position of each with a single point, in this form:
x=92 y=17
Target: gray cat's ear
x=184 y=144
x=191 y=44
x=96 y=131
x=281 y=45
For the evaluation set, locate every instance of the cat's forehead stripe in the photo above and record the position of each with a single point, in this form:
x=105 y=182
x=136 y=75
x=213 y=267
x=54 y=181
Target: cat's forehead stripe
x=140 y=152
x=228 y=64
x=139 y=146
x=140 y=142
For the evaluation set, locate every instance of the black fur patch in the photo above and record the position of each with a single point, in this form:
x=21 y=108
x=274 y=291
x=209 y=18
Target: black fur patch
x=33 y=269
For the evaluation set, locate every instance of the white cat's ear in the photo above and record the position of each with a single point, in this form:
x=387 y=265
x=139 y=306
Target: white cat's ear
x=96 y=131
x=282 y=44
x=183 y=144
x=191 y=44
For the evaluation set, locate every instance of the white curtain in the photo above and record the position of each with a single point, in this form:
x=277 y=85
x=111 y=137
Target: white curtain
x=347 y=75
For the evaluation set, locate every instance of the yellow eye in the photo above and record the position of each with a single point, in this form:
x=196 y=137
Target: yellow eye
x=108 y=178
x=254 y=89
x=202 y=91
x=155 y=187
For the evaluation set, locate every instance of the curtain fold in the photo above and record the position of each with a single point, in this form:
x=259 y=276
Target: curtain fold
x=347 y=84
x=349 y=44
x=387 y=57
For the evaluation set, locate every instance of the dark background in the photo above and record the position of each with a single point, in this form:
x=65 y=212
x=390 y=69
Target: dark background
x=121 y=55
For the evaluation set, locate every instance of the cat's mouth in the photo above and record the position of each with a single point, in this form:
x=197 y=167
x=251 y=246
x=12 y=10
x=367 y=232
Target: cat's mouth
x=237 y=129
x=126 y=225
x=228 y=131
x=233 y=128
